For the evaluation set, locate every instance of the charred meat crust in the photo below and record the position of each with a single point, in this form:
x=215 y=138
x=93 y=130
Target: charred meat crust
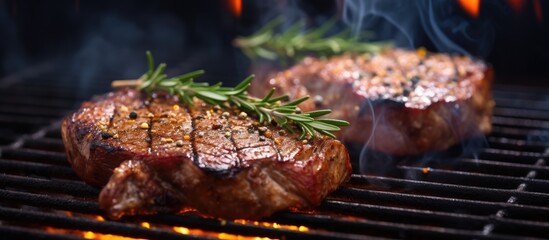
x=197 y=157
x=399 y=102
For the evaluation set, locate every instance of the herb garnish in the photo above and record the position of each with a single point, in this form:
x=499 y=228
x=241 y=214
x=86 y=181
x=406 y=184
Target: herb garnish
x=268 y=108
x=294 y=43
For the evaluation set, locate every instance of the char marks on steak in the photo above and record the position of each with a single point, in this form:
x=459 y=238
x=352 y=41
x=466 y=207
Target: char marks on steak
x=399 y=102
x=172 y=157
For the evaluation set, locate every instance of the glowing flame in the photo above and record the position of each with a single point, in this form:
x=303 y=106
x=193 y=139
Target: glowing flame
x=538 y=11
x=516 y=5
x=273 y=225
x=239 y=237
x=88 y=234
x=235 y=6
x=145 y=225
x=178 y=229
x=182 y=230
x=472 y=7
x=98 y=236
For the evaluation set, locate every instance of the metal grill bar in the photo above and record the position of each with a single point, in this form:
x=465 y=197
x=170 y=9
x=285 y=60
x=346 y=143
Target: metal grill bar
x=503 y=168
x=392 y=229
x=514 y=92
x=522 y=104
x=533 y=135
x=37 y=169
x=109 y=227
x=36 y=102
x=250 y=230
x=477 y=179
x=49 y=144
x=15 y=232
x=508 y=154
x=406 y=215
x=41 y=200
x=484 y=193
x=520 y=122
x=438 y=203
x=512 y=199
x=76 y=188
x=523 y=113
x=38 y=92
x=38 y=200
x=31 y=155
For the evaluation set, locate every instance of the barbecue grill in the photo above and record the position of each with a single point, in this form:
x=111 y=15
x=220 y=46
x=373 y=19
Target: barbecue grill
x=495 y=187
x=500 y=191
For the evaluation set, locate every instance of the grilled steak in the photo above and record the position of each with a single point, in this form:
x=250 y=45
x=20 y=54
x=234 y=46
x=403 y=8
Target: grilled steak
x=164 y=156
x=398 y=102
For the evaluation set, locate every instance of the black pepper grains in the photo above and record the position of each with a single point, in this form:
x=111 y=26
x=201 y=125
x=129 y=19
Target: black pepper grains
x=133 y=115
x=106 y=135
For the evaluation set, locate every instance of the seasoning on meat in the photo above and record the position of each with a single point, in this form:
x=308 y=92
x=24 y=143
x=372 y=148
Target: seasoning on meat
x=242 y=175
x=399 y=102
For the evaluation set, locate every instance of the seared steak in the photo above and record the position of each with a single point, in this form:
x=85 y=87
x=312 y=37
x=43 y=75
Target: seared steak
x=170 y=157
x=399 y=102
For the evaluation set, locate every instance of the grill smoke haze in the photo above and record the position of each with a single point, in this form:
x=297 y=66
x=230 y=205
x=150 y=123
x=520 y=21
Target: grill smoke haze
x=410 y=24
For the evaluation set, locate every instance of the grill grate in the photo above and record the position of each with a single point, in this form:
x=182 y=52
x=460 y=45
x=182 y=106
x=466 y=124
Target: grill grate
x=501 y=192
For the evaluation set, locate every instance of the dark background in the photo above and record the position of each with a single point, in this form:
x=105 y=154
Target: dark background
x=93 y=42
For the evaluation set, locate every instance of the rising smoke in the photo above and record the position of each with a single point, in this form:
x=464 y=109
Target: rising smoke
x=412 y=24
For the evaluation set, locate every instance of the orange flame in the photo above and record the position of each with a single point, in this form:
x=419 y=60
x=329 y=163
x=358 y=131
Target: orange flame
x=516 y=5
x=145 y=225
x=472 y=7
x=273 y=225
x=538 y=11
x=98 y=236
x=182 y=230
x=236 y=7
x=179 y=229
x=88 y=234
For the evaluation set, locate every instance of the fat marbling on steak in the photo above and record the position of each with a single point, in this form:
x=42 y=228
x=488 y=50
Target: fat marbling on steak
x=156 y=155
x=400 y=102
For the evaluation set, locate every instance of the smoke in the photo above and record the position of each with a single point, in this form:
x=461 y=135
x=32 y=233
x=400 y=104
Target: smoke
x=92 y=43
x=413 y=24
x=108 y=49
x=390 y=20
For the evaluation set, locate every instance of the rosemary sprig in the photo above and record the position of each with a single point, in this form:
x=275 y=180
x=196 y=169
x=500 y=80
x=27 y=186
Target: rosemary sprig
x=268 y=108
x=295 y=43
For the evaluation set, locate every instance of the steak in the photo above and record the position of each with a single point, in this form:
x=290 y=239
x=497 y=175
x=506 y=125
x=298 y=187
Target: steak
x=399 y=102
x=153 y=154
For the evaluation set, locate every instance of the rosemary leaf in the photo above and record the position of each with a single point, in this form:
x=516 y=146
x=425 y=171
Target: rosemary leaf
x=267 y=109
x=300 y=118
x=323 y=126
x=212 y=95
x=329 y=134
x=319 y=113
x=191 y=75
x=335 y=122
x=297 y=101
x=295 y=43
